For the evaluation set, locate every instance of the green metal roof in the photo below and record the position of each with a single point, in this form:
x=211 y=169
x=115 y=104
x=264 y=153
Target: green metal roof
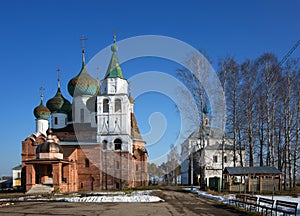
x=114 y=70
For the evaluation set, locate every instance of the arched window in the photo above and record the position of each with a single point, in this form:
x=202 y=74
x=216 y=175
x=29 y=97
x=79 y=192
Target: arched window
x=87 y=163
x=81 y=115
x=104 y=142
x=118 y=105
x=105 y=105
x=118 y=144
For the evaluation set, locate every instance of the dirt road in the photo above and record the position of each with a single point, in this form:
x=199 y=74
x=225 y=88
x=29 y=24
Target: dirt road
x=176 y=203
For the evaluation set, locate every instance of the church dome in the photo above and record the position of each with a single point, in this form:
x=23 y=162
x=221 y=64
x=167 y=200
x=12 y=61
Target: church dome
x=66 y=107
x=55 y=103
x=49 y=149
x=41 y=112
x=83 y=84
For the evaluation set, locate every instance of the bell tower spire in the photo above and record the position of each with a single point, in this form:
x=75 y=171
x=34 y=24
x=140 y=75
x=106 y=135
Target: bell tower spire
x=114 y=70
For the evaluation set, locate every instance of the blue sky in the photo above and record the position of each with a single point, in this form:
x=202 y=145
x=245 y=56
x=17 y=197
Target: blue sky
x=37 y=37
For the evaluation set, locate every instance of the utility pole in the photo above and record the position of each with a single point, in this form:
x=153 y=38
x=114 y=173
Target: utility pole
x=222 y=178
x=223 y=137
x=192 y=166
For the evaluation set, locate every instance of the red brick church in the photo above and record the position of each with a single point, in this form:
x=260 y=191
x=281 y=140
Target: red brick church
x=93 y=143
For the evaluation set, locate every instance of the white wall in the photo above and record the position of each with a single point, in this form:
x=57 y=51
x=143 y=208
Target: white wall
x=42 y=126
x=79 y=103
x=114 y=122
x=62 y=120
x=114 y=86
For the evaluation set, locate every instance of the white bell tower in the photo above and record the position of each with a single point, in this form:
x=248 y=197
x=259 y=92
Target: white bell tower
x=114 y=108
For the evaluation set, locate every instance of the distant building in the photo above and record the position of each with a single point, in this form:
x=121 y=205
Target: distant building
x=205 y=147
x=16 y=176
x=94 y=143
x=6 y=182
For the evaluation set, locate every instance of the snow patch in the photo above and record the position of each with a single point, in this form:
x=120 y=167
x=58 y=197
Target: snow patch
x=226 y=198
x=119 y=196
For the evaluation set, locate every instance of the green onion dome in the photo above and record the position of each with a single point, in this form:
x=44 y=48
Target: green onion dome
x=55 y=104
x=41 y=112
x=83 y=84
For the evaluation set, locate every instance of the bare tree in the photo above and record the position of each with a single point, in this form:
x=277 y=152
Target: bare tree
x=230 y=75
x=249 y=74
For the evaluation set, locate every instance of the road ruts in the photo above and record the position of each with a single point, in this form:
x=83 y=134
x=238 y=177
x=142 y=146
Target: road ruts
x=184 y=203
x=176 y=203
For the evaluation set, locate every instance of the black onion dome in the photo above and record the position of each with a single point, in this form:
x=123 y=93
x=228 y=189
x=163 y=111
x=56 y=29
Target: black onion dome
x=55 y=103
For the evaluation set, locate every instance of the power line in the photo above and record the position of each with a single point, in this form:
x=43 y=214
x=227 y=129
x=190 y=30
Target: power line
x=289 y=53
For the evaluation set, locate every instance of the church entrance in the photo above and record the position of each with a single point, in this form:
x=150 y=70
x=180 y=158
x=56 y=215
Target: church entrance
x=44 y=174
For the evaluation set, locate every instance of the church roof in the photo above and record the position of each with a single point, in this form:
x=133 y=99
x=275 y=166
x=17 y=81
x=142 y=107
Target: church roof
x=219 y=147
x=17 y=167
x=264 y=170
x=68 y=151
x=114 y=70
x=135 y=132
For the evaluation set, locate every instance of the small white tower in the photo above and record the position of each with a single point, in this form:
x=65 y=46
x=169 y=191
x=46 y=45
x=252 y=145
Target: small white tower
x=42 y=115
